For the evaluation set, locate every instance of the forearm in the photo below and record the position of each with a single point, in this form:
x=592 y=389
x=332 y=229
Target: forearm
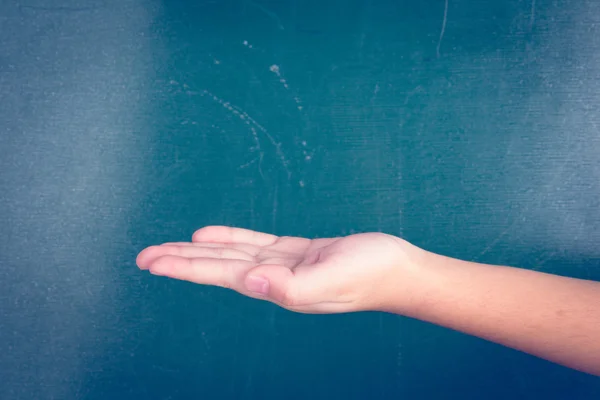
x=552 y=317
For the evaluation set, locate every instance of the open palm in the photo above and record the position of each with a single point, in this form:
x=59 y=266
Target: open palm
x=315 y=276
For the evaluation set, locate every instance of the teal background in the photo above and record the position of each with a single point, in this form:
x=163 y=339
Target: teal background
x=129 y=123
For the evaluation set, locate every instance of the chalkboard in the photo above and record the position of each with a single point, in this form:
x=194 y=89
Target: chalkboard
x=469 y=128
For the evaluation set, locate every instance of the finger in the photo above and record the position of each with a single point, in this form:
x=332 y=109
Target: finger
x=150 y=254
x=275 y=283
x=248 y=248
x=233 y=235
x=205 y=271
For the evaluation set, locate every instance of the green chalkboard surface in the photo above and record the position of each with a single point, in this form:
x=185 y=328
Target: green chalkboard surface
x=469 y=128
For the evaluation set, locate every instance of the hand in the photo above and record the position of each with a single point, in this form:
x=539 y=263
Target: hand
x=353 y=273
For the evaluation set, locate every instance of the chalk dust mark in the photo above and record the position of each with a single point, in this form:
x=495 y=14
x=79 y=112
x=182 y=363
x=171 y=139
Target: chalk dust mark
x=375 y=92
x=275 y=206
x=205 y=340
x=399 y=359
x=165 y=369
x=253 y=125
x=361 y=41
x=307 y=156
x=409 y=95
x=270 y=13
x=381 y=330
x=532 y=15
x=249 y=120
x=277 y=71
x=61 y=9
x=248 y=45
x=249 y=163
x=437 y=50
x=256 y=141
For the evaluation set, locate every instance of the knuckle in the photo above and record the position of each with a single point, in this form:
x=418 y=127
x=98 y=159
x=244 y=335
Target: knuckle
x=226 y=275
x=219 y=252
x=289 y=297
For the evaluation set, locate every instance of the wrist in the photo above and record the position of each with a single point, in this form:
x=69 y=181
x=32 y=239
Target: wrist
x=409 y=285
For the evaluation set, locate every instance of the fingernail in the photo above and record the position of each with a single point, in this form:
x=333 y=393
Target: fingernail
x=257 y=284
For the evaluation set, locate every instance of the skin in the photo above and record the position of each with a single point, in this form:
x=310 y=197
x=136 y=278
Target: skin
x=552 y=317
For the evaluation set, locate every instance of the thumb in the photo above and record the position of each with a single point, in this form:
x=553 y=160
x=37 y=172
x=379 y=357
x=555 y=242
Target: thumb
x=273 y=282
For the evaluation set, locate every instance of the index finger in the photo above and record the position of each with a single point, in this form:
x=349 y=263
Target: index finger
x=227 y=273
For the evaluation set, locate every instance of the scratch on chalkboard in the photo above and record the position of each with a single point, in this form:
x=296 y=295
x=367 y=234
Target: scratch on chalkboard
x=375 y=92
x=532 y=15
x=540 y=262
x=253 y=125
x=443 y=30
x=409 y=95
x=260 y=157
x=495 y=241
x=271 y=14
